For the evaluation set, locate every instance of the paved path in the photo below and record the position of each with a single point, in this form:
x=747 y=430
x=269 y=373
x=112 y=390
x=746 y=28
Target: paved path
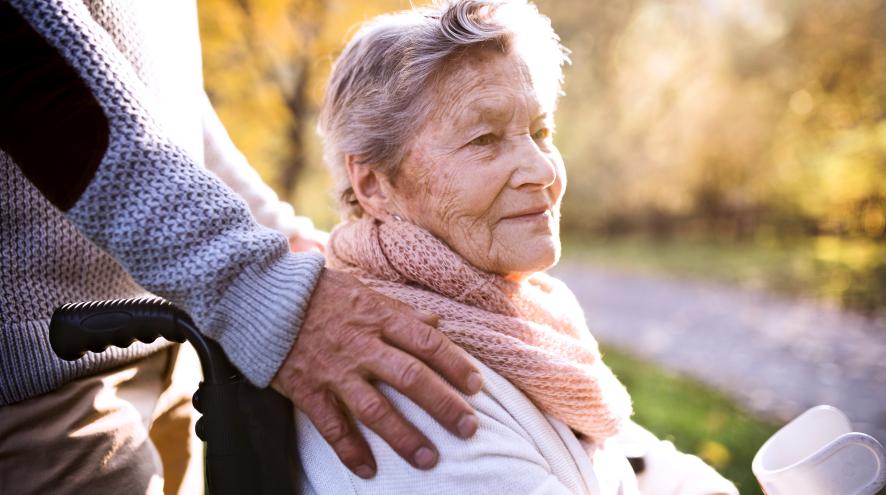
x=778 y=357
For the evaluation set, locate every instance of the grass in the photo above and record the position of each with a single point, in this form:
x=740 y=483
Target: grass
x=847 y=272
x=696 y=418
x=699 y=420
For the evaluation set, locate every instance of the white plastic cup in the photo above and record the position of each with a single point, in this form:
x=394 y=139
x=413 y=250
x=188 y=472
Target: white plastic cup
x=818 y=454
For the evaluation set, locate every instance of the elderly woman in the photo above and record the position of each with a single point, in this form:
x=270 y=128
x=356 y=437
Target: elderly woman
x=438 y=125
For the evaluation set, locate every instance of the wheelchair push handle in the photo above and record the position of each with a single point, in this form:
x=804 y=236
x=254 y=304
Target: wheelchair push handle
x=249 y=431
x=94 y=326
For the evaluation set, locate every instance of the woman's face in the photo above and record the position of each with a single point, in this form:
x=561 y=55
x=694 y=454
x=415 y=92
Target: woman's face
x=483 y=174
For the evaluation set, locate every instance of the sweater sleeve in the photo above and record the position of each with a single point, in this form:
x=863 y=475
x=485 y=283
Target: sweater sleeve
x=227 y=162
x=669 y=471
x=176 y=229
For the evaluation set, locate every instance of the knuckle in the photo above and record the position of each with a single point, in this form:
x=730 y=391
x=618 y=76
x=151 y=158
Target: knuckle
x=312 y=403
x=304 y=391
x=333 y=430
x=318 y=371
x=411 y=374
x=309 y=401
x=369 y=357
x=448 y=407
x=371 y=409
x=428 y=342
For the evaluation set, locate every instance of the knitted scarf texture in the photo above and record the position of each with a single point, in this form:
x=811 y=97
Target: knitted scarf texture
x=533 y=332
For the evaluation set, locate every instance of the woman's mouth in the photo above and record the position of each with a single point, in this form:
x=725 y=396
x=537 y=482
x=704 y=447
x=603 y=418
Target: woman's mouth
x=532 y=215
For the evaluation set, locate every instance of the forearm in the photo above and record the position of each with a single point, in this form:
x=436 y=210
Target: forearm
x=192 y=241
x=177 y=230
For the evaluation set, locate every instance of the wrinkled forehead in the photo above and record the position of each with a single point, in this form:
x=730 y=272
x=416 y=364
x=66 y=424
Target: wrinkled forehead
x=482 y=84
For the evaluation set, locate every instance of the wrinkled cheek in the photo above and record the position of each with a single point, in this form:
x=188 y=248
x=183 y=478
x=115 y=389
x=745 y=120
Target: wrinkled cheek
x=441 y=203
x=455 y=199
x=469 y=234
x=482 y=248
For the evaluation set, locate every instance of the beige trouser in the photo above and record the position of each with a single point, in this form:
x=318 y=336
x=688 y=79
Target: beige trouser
x=128 y=430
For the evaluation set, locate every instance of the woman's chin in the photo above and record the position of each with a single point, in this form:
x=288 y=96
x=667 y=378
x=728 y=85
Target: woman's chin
x=524 y=259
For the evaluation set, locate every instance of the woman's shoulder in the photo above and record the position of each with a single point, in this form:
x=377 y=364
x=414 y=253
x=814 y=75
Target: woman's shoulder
x=552 y=285
x=516 y=448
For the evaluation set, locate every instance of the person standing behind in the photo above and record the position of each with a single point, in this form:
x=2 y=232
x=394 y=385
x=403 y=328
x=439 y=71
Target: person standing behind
x=102 y=195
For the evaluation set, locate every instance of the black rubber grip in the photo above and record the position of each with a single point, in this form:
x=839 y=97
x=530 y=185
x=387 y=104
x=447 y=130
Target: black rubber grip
x=94 y=326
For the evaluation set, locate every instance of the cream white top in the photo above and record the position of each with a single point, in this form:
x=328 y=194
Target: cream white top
x=516 y=450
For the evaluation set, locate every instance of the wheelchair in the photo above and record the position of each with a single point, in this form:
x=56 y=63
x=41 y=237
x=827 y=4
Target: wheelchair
x=249 y=433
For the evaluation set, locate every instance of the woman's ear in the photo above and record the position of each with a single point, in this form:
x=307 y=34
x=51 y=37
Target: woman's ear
x=371 y=187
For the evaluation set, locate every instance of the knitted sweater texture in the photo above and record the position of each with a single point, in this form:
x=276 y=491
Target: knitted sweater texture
x=151 y=220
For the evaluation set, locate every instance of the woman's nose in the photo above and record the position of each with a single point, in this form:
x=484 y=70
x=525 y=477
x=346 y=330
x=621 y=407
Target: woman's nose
x=533 y=168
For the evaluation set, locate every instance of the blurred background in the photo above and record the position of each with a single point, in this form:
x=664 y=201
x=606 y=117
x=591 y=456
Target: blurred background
x=725 y=220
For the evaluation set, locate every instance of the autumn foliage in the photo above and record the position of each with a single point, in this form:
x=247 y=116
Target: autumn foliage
x=728 y=117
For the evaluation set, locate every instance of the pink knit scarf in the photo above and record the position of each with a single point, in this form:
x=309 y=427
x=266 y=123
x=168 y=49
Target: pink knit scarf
x=533 y=333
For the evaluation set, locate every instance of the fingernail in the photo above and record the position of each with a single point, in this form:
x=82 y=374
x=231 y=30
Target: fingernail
x=475 y=382
x=364 y=471
x=467 y=425
x=425 y=458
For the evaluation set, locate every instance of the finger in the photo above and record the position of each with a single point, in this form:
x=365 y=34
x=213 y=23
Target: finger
x=443 y=356
x=371 y=408
x=339 y=431
x=424 y=387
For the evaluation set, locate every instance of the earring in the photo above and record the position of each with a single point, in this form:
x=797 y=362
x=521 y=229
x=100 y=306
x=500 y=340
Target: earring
x=396 y=217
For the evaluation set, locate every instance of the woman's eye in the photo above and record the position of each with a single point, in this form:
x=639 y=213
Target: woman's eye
x=484 y=140
x=542 y=133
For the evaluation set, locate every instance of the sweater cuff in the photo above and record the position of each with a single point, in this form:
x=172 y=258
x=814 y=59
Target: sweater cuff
x=258 y=319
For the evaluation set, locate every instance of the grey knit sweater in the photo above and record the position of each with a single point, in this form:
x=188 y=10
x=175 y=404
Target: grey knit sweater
x=151 y=219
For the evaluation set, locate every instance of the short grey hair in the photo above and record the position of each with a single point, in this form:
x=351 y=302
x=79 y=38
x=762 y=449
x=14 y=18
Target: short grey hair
x=375 y=101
